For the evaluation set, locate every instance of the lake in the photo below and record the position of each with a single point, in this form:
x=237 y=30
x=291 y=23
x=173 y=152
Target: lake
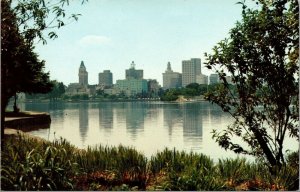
x=147 y=126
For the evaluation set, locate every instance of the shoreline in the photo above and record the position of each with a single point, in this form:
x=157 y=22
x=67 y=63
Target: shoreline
x=180 y=100
x=27 y=120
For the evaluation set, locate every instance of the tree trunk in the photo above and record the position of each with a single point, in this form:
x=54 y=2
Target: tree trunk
x=263 y=144
x=4 y=102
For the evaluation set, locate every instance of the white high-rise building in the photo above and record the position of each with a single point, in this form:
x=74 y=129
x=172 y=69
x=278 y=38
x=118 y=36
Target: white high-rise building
x=190 y=70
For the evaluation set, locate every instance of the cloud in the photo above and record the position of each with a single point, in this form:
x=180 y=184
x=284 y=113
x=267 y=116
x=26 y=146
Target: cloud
x=92 y=40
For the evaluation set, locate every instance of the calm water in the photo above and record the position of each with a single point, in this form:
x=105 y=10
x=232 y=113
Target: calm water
x=147 y=126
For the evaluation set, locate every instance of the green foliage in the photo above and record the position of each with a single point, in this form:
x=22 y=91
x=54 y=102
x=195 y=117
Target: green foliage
x=78 y=97
x=21 y=70
x=30 y=164
x=128 y=165
x=261 y=54
x=185 y=171
x=236 y=170
x=57 y=91
x=170 y=95
x=42 y=167
x=22 y=22
x=191 y=90
x=36 y=17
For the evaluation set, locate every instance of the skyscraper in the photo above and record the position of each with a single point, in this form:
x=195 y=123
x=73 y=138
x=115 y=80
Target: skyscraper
x=133 y=73
x=213 y=79
x=132 y=87
x=83 y=75
x=134 y=82
x=171 y=79
x=190 y=70
x=106 y=78
x=202 y=79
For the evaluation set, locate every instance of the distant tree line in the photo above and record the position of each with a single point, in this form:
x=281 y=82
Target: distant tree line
x=191 y=90
x=56 y=93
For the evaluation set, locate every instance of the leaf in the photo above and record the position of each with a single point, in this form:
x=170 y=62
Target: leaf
x=52 y=35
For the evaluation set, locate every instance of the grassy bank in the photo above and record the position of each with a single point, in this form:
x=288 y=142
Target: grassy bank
x=31 y=164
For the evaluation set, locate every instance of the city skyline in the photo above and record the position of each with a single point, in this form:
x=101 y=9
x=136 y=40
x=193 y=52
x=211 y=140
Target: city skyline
x=106 y=77
x=111 y=34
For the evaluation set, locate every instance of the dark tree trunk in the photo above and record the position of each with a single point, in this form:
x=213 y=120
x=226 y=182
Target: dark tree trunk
x=4 y=102
x=263 y=144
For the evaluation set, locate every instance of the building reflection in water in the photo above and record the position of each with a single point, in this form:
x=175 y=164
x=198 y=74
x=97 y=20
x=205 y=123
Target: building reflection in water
x=83 y=120
x=106 y=116
x=172 y=116
x=188 y=117
x=193 y=126
x=135 y=115
x=152 y=112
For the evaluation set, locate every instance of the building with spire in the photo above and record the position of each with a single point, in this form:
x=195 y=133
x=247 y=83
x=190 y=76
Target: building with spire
x=134 y=82
x=83 y=75
x=133 y=73
x=82 y=87
x=171 y=79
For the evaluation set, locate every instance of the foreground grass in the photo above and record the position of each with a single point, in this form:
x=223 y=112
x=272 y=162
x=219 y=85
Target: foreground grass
x=31 y=164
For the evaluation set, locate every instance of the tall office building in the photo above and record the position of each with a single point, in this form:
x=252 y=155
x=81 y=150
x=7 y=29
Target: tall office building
x=202 y=79
x=133 y=73
x=171 y=79
x=83 y=75
x=134 y=82
x=106 y=78
x=132 y=87
x=190 y=70
x=213 y=79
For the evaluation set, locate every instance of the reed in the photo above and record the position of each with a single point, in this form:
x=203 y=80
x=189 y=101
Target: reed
x=126 y=163
x=31 y=164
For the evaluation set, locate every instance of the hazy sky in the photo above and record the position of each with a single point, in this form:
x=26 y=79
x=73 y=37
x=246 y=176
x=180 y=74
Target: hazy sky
x=111 y=34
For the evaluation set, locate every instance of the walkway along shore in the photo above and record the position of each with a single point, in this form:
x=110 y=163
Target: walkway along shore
x=27 y=120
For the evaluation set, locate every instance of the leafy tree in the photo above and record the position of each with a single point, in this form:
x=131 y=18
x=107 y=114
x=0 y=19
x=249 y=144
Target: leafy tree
x=261 y=54
x=21 y=70
x=193 y=86
x=57 y=91
x=100 y=92
x=37 y=19
x=22 y=22
x=84 y=97
x=170 y=95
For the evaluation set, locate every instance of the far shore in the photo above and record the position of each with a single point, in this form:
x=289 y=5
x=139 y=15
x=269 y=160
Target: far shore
x=179 y=100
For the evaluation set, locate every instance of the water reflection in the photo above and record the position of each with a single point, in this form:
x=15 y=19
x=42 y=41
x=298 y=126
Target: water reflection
x=106 y=116
x=83 y=121
x=135 y=115
x=172 y=117
x=147 y=126
x=192 y=126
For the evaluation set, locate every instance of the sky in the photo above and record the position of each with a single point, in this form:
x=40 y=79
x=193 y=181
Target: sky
x=111 y=34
